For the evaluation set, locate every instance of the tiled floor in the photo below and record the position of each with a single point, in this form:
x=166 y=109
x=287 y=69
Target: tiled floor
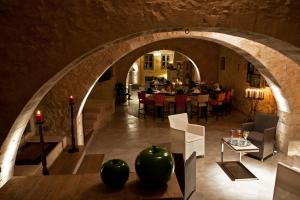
x=126 y=135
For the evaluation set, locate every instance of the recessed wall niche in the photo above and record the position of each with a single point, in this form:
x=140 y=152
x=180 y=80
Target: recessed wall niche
x=254 y=78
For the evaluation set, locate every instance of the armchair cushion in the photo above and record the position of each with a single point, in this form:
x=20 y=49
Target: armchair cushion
x=190 y=137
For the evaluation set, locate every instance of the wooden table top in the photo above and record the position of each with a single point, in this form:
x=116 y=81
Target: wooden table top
x=168 y=99
x=83 y=186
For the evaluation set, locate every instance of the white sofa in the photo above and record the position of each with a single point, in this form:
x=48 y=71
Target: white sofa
x=194 y=134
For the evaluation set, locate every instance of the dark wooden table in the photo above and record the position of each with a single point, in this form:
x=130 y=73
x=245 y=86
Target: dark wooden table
x=83 y=186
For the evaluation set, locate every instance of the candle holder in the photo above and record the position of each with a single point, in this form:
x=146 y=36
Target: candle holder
x=73 y=148
x=39 y=122
x=254 y=95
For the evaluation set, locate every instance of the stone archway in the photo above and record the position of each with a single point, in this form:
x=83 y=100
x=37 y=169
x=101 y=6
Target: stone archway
x=193 y=64
x=277 y=61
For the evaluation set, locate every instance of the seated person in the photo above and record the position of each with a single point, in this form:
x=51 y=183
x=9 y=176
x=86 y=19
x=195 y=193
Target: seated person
x=192 y=84
x=163 y=90
x=168 y=87
x=216 y=87
x=180 y=92
x=196 y=91
x=149 y=91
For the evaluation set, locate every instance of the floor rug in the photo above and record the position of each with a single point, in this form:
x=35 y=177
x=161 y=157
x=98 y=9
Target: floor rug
x=236 y=171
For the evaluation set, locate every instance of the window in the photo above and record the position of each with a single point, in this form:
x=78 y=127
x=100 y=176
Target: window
x=148 y=61
x=164 y=61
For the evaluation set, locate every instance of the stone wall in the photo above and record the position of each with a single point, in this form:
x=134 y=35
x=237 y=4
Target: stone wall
x=235 y=76
x=39 y=38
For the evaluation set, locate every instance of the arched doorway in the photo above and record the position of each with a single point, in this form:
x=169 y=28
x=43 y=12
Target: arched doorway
x=165 y=65
x=277 y=61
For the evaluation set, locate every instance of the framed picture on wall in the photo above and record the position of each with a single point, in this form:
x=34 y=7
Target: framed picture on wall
x=250 y=69
x=254 y=78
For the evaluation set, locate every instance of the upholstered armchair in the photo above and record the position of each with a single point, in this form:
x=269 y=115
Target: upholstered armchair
x=194 y=134
x=262 y=134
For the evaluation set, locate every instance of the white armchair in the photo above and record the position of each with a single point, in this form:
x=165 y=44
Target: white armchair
x=194 y=134
x=287 y=185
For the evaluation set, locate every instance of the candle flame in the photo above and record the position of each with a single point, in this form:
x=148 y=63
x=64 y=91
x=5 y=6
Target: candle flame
x=38 y=112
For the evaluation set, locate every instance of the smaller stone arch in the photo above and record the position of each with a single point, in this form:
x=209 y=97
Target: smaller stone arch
x=197 y=72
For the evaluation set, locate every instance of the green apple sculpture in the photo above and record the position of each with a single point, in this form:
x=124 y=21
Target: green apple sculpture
x=154 y=166
x=114 y=173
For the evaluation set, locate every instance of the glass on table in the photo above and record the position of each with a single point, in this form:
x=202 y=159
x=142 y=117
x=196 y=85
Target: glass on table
x=232 y=133
x=246 y=134
x=239 y=133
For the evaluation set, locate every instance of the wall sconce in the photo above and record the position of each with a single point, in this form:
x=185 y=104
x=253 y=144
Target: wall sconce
x=254 y=95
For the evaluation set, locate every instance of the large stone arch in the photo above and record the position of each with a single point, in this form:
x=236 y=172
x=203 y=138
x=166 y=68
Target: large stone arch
x=278 y=61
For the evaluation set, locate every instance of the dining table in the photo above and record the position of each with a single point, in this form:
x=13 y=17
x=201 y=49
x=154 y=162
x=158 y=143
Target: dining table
x=169 y=98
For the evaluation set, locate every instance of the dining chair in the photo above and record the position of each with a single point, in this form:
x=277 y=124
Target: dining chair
x=201 y=104
x=142 y=101
x=159 y=102
x=218 y=104
x=180 y=103
x=227 y=101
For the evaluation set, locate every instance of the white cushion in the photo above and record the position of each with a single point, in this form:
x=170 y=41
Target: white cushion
x=190 y=137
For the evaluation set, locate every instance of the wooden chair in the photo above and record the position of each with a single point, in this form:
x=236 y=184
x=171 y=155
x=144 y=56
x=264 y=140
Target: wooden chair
x=159 y=102
x=180 y=103
x=227 y=101
x=201 y=104
x=218 y=104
